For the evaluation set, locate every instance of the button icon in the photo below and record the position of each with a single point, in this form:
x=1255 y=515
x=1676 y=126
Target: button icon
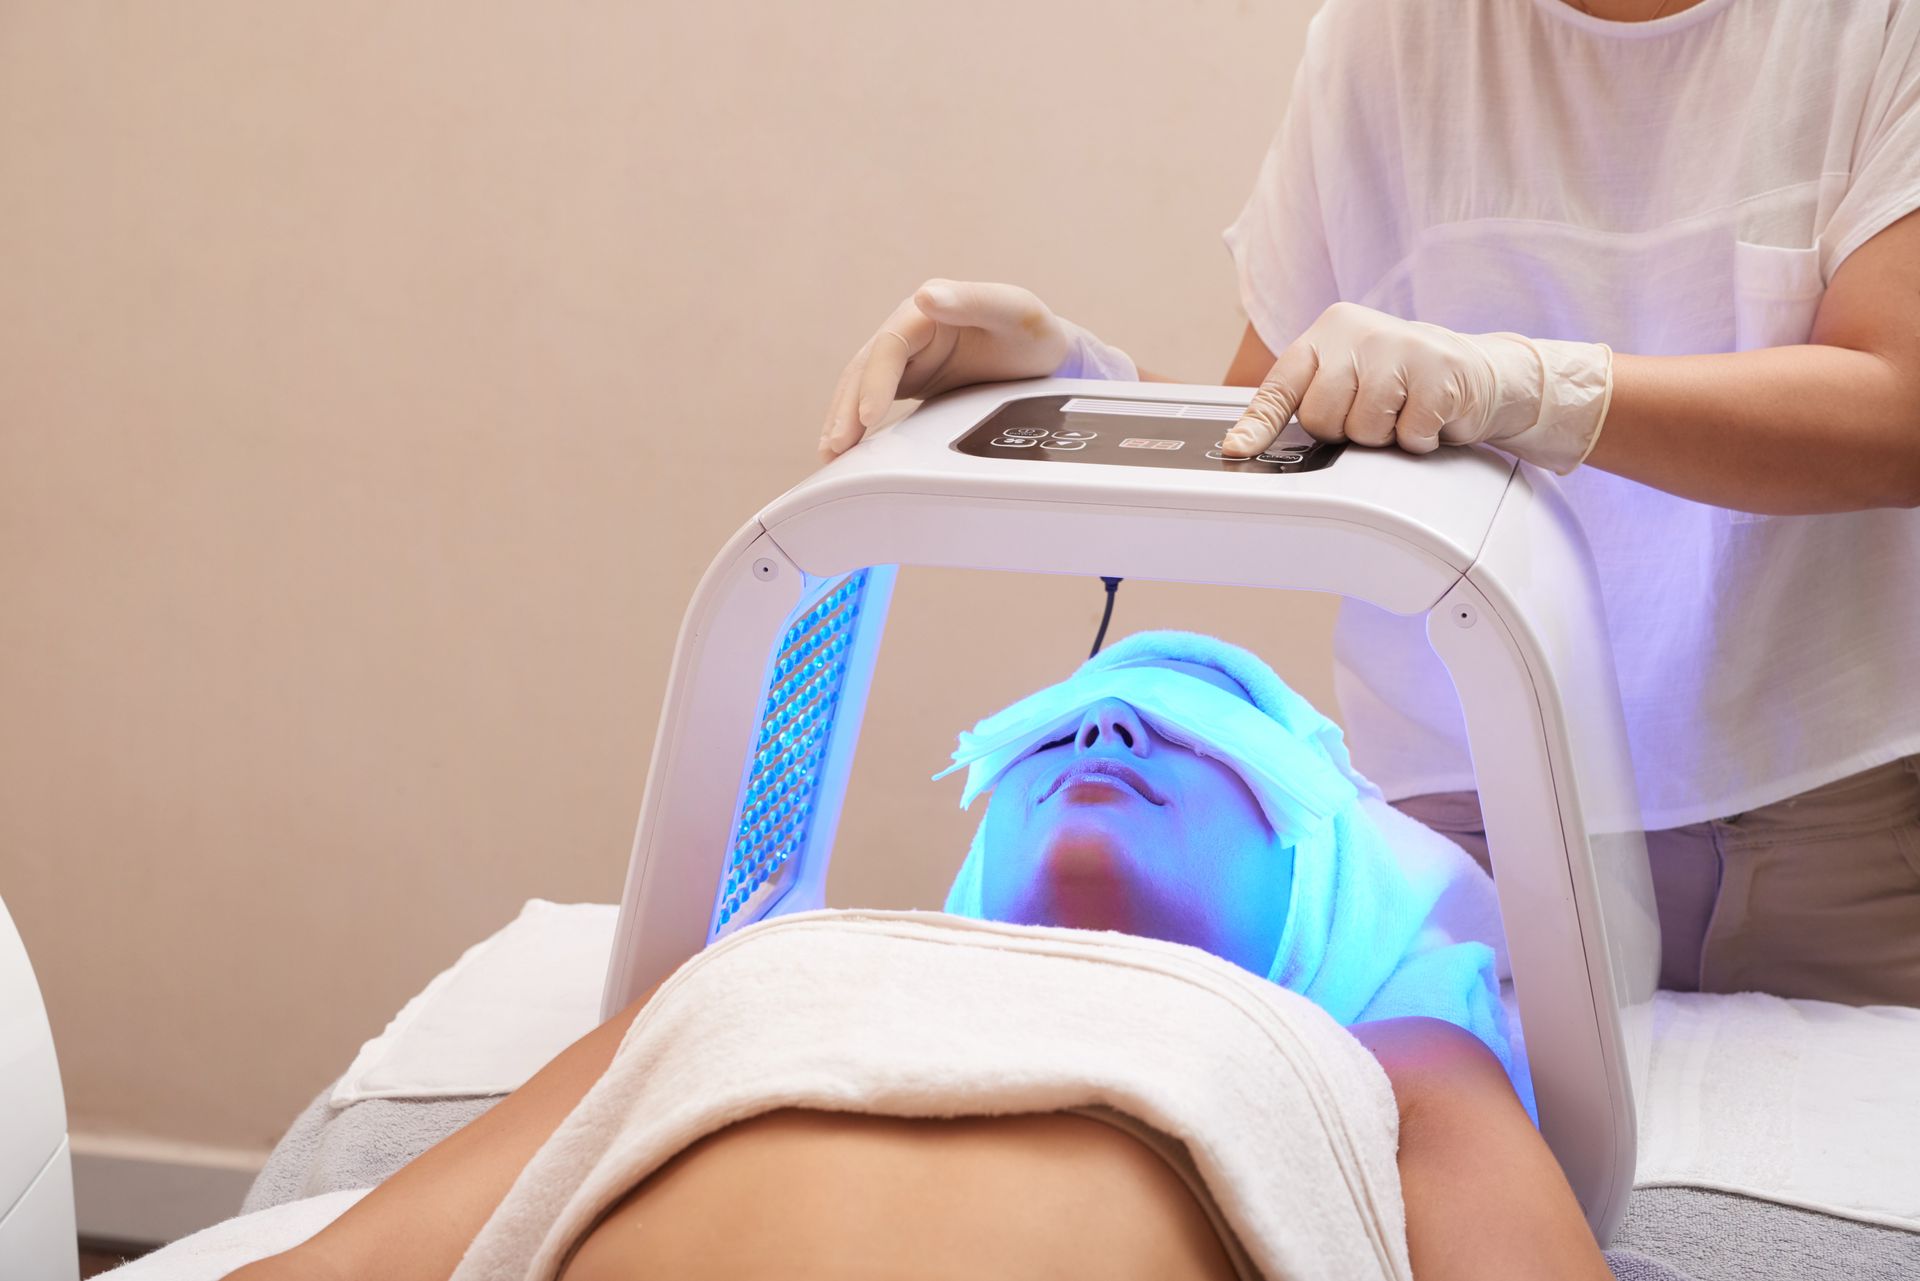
x=1219 y=457
x=1063 y=444
x=1025 y=431
x=1008 y=443
x=1280 y=458
x=1075 y=435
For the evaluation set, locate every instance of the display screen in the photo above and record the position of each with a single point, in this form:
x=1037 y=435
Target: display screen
x=1133 y=433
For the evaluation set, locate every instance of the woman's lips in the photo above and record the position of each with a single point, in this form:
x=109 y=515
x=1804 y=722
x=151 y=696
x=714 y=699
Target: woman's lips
x=1103 y=767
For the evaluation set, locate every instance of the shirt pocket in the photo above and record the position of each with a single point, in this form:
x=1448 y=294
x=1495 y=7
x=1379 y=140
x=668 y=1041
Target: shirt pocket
x=1776 y=291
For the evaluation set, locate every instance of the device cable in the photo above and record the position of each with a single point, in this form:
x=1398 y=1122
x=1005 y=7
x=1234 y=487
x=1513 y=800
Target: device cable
x=1106 y=615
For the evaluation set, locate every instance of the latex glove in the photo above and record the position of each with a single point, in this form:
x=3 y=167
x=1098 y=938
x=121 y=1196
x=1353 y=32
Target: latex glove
x=954 y=333
x=1362 y=375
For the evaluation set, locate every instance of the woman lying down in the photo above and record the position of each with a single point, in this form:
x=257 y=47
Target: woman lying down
x=1114 y=1056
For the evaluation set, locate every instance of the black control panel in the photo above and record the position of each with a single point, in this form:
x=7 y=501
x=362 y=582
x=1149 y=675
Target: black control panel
x=1133 y=433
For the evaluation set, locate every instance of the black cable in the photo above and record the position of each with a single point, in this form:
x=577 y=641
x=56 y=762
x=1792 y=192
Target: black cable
x=1106 y=615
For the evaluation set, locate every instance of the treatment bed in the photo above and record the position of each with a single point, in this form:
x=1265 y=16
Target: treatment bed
x=1776 y=1137
x=763 y=709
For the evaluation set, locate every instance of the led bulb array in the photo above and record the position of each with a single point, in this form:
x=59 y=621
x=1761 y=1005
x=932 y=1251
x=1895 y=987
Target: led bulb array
x=796 y=724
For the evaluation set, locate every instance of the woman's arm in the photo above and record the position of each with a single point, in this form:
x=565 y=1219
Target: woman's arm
x=1825 y=426
x=1249 y=365
x=1833 y=425
x=1485 y=1198
x=416 y=1225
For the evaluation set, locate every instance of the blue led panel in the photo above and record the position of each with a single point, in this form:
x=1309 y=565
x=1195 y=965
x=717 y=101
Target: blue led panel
x=796 y=724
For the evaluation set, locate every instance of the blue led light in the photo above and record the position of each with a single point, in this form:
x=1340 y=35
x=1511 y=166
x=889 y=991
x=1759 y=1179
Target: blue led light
x=796 y=725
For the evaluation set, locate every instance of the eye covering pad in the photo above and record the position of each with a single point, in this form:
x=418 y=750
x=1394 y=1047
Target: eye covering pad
x=1298 y=787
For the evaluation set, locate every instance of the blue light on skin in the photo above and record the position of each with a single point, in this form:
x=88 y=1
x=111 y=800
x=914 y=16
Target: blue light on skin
x=1169 y=844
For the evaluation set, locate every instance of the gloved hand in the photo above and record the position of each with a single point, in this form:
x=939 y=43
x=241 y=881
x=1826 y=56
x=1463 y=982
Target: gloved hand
x=1362 y=375
x=954 y=333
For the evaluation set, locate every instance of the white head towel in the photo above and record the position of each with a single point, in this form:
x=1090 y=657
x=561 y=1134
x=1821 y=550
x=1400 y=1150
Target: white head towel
x=1362 y=938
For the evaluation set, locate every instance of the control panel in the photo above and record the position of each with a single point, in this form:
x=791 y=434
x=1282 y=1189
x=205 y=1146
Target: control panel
x=1133 y=433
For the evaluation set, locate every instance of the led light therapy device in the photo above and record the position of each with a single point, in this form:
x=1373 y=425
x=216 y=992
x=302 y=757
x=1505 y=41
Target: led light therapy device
x=771 y=670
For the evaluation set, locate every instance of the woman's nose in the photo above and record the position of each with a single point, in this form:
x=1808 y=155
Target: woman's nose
x=1114 y=725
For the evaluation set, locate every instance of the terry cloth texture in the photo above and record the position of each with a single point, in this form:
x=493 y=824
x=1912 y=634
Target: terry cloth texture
x=906 y=1014
x=1365 y=937
x=330 y=1149
x=1801 y=1102
x=488 y=1017
x=1717 y=1236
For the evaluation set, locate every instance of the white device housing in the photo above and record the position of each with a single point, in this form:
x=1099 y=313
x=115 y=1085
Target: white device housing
x=770 y=674
x=36 y=1175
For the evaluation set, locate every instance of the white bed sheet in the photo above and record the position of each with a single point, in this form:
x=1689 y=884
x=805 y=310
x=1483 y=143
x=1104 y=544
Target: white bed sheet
x=213 y=1252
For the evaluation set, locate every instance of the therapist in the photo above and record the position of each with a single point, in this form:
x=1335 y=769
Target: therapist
x=1669 y=251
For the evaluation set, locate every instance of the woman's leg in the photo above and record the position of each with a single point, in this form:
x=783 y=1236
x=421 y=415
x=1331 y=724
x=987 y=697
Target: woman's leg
x=1820 y=894
x=1684 y=861
x=1485 y=1199
x=1815 y=896
x=1456 y=816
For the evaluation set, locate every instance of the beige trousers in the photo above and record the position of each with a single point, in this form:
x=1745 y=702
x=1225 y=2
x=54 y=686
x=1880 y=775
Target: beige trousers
x=1814 y=896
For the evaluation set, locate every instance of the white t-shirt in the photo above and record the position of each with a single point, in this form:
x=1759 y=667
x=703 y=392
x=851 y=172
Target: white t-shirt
x=1684 y=185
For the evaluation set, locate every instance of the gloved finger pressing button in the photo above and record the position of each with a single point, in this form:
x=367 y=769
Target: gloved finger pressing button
x=1375 y=379
x=1274 y=403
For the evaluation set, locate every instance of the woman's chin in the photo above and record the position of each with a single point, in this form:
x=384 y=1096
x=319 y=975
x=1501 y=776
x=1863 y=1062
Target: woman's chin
x=1091 y=840
x=1084 y=879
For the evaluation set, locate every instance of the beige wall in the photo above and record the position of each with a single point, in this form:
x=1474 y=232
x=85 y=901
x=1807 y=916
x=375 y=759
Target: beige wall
x=375 y=381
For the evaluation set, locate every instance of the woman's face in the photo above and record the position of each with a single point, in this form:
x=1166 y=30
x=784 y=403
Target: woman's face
x=1116 y=828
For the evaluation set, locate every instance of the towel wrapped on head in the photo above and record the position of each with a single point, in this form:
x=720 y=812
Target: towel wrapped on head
x=1365 y=937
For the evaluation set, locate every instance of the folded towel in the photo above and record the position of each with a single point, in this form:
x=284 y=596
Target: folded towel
x=920 y=1015
x=1366 y=936
x=487 y=1022
x=329 y=1149
x=1803 y=1103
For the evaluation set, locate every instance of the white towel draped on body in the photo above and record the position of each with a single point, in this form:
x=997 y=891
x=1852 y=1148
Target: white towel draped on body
x=1287 y=1119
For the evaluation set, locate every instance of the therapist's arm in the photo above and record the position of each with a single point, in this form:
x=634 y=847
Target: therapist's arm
x=1250 y=364
x=416 y=1225
x=1830 y=425
x=1833 y=425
